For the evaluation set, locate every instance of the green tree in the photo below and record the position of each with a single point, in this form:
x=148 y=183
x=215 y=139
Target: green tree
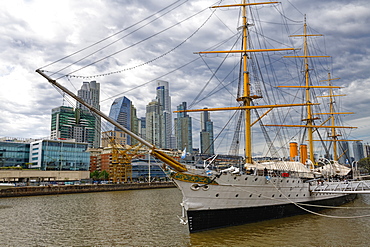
x=95 y=175
x=104 y=175
x=364 y=164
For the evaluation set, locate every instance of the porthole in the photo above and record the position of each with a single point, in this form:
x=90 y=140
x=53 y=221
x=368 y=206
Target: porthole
x=280 y=195
x=246 y=178
x=250 y=195
x=234 y=177
x=195 y=187
x=293 y=181
x=259 y=195
x=205 y=187
x=289 y=195
x=304 y=194
x=236 y=195
x=273 y=195
x=287 y=181
x=297 y=195
x=217 y=195
x=255 y=179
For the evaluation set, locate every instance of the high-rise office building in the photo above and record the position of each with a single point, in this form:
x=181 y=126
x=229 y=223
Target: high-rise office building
x=90 y=93
x=153 y=123
x=70 y=123
x=183 y=129
x=343 y=153
x=206 y=134
x=142 y=127
x=358 y=150
x=164 y=101
x=123 y=112
x=367 y=150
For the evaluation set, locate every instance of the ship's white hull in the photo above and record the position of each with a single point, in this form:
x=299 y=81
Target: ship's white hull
x=238 y=199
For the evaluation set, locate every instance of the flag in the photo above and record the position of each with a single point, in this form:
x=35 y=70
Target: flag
x=183 y=155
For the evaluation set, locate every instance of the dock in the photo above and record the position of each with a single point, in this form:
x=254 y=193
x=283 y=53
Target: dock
x=84 y=188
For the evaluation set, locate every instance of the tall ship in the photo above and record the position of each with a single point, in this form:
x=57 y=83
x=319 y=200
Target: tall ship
x=264 y=188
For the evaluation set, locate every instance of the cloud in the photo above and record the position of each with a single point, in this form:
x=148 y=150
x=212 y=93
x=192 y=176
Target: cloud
x=36 y=33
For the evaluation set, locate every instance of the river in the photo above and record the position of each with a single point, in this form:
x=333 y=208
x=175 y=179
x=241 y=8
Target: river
x=149 y=218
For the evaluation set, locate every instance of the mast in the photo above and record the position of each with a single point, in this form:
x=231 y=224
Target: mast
x=246 y=98
x=333 y=135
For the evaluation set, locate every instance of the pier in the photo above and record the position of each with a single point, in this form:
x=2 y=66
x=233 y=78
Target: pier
x=86 y=188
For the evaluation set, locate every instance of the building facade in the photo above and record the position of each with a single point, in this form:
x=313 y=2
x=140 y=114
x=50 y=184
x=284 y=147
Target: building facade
x=165 y=113
x=142 y=127
x=206 y=134
x=70 y=123
x=14 y=152
x=124 y=113
x=59 y=155
x=153 y=123
x=343 y=153
x=118 y=137
x=90 y=93
x=358 y=150
x=183 y=129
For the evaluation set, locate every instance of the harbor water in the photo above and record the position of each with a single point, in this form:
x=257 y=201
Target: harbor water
x=149 y=218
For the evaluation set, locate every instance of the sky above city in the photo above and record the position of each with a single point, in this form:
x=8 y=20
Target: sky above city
x=145 y=41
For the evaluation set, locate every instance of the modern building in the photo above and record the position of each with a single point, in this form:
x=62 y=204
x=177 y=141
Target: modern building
x=153 y=123
x=367 y=150
x=142 y=127
x=206 y=134
x=165 y=113
x=70 y=123
x=14 y=152
x=145 y=170
x=358 y=150
x=123 y=112
x=59 y=155
x=343 y=152
x=90 y=93
x=118 y=137
x=183 y=129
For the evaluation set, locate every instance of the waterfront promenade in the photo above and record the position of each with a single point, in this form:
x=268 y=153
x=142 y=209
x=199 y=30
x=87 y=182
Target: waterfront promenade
x=83 y=188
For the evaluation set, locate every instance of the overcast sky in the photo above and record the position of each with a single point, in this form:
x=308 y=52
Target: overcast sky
x=35 y=33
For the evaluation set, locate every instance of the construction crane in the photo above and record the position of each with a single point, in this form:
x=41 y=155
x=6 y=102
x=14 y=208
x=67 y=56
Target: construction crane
x=120 y=168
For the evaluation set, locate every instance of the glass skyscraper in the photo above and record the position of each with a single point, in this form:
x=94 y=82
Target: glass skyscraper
x=164 y=101
x=183 y=129
x=122 y=112
x=90 y=93
x=206 y=134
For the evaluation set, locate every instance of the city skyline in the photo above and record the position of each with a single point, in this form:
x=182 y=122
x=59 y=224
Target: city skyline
x=27 y=98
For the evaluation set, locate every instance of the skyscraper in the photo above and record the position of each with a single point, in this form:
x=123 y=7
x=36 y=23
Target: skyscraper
x=142 y=127
x=153 y=123
x=343 y=153
x=122 y=111
x=90 y=93
x=183 y=129
x=164 y=101
x=69 y=123
x=358 y=150
x=206 y=134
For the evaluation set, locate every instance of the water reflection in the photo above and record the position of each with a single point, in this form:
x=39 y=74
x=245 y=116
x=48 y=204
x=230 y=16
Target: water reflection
x=149 y=218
